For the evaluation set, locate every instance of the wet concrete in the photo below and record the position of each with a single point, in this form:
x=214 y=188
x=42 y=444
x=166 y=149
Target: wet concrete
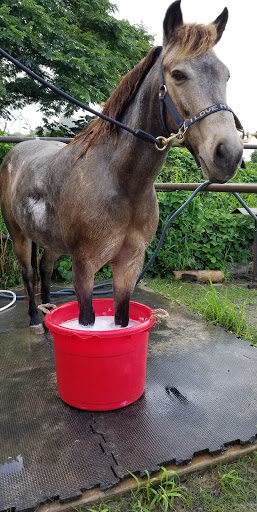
x=199 y=398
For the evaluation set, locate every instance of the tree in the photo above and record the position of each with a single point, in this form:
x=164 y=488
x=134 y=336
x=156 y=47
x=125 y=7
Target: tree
x=76 y=44
x=254 y=157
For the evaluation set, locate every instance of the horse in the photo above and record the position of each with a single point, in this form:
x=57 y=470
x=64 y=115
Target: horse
x=94 y=198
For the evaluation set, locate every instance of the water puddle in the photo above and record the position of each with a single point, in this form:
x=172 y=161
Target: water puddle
x=12 y=466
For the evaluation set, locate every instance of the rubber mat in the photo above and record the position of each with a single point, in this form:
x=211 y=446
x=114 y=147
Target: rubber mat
x=200 y=396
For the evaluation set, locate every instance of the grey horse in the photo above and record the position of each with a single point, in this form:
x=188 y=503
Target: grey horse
x=94 y=198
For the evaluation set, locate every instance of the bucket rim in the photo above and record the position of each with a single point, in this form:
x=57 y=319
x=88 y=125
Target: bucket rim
x=54 y=327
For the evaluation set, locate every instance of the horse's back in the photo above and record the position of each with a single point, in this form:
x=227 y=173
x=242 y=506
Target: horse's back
x=23 y=157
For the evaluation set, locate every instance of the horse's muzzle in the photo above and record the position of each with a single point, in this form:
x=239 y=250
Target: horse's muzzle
x=226 y=157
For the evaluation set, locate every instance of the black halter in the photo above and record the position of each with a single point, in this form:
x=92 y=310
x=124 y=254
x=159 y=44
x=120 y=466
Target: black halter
x=183 y=125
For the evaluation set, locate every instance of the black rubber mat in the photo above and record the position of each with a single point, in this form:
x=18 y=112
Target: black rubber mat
x=200 y=396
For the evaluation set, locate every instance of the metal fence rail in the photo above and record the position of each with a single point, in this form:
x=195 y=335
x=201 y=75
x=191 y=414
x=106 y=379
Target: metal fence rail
x=15 y=140
x=248 y=188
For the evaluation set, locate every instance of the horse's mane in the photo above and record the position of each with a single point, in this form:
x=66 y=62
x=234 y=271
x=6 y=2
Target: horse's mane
x=117 y=103
x=191 y=40
x=194 y=39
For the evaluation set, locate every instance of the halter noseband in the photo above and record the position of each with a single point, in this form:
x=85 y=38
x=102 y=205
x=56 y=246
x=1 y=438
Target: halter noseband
x=165 y=100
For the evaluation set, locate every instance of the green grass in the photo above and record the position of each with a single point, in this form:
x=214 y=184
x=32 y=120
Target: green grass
x=10 y=273
x=227 y=488
x=226 y=305
x=232 y=487
x=149 y=497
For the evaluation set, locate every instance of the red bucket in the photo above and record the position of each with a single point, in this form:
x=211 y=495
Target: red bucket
x=100 y=370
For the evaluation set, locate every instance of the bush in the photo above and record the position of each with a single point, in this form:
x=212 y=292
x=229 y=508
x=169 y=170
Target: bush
x=205 y=236
x=200 y=238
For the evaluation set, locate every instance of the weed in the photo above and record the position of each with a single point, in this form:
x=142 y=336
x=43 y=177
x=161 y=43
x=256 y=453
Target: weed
x=10 y=272
x=162 y=497
x=101 y=508
x=220 y=311
x=225 y=306
x=231 y=480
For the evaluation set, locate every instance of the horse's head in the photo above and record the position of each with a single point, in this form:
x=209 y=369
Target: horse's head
x=196 y=79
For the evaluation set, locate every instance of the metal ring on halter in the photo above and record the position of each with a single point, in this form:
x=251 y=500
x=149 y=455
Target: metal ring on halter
x=164 y=89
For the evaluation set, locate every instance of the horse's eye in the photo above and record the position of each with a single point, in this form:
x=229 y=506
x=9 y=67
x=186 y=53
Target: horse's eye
x=178 y=76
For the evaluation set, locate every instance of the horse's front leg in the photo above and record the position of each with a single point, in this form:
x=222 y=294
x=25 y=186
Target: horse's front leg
x=83 y=280
x=126 y=268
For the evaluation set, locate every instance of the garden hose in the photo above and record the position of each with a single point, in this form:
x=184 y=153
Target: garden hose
x=4 y=294
x=97 y=289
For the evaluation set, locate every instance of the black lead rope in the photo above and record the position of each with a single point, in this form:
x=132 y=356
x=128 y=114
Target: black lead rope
x=140 y=134
x=97 y=287
x=164 y=97
x=164 y=100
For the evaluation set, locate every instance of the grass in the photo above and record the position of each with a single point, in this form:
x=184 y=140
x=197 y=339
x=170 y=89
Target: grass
x=227 y=305
x=10 y=273
x=232 y=487
x=149 y=497
x=227 y=488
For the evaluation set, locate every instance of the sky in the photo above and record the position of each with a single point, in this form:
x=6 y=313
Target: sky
x=237 y=49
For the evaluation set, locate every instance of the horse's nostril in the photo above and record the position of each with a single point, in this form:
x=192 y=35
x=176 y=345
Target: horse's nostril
x=226 y=156
x=220 y=155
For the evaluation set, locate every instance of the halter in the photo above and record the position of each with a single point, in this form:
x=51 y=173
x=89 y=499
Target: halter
x=183 y=125
x=161 y=142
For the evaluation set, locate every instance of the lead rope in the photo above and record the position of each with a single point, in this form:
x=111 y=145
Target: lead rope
x=140 y=134
x=160 y=142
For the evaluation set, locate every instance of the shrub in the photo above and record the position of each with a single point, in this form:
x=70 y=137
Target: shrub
x=205 y=236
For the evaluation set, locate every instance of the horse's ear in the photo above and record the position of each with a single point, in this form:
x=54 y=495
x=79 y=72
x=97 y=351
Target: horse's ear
x=220 y=23
x=173 y=19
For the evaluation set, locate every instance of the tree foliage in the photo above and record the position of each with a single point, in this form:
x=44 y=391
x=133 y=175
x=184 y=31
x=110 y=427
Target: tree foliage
x=254 y=157
x=76 y=44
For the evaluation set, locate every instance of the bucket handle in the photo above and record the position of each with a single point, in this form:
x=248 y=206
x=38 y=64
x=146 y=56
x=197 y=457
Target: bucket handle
x=158 y=315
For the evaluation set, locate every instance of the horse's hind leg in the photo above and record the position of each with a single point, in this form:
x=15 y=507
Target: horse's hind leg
x=23 y=250
x=46 y=270
x=126 y=268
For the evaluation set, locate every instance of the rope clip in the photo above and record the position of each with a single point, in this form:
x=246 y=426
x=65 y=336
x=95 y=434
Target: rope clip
x=177 y=138
x=246 y=137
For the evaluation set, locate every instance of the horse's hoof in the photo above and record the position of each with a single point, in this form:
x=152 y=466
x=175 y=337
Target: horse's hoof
x=37 y=329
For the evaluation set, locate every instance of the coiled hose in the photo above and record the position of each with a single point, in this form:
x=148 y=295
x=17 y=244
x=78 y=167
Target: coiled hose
x=98 y=288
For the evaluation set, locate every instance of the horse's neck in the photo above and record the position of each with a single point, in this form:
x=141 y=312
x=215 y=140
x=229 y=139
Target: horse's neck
x=141 y=161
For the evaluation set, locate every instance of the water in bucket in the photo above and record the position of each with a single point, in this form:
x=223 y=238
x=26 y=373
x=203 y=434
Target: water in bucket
x=102 y=323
